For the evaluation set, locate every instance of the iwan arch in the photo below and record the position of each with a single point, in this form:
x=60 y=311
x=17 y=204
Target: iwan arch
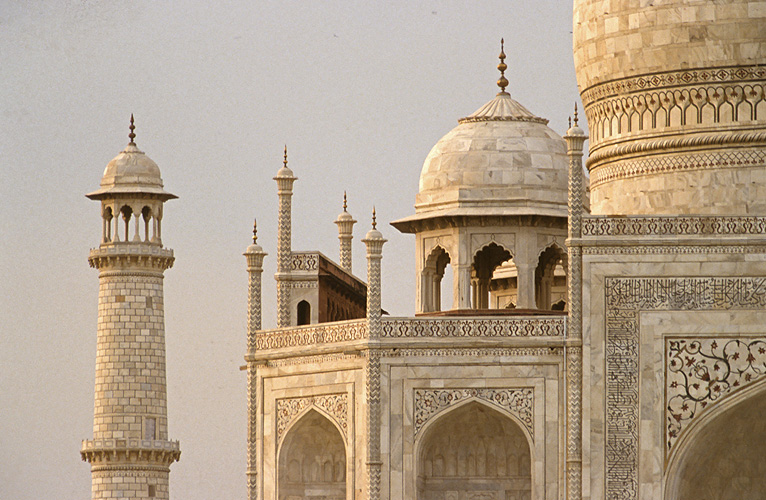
x=604 y=336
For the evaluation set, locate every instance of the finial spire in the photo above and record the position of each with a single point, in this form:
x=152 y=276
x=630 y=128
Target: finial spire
x=345 y=206
x=255 y=231
x=575 y=116
x=374 y=221
x=284 y=162
x=132 y=134
x=503 y=81
x=570 y=122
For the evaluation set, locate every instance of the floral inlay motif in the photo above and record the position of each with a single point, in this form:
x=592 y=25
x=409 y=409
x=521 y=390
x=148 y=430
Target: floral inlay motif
x=701 y=371
x=517 y=402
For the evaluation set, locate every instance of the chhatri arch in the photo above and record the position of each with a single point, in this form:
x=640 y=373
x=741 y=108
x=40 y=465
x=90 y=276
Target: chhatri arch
x=474 y=446
x=720 y=456
x=312 y=456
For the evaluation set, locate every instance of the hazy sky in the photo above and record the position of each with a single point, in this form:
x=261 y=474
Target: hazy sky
x=359 y=92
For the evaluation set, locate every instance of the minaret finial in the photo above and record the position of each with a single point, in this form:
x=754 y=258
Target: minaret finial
x=345 y=206
x=374 y=221
x=284 y=162
x=255 y=231
x=503 y=81
x=570 y=122
x=132 y=134
x=575 y=116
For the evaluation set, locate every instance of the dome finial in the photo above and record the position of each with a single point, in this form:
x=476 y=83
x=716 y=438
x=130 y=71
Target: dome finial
x=503 y=81
x=255 y=231
x=345 y=206
x=284 y=162
x=132 y=134
x=374 y=221
x=570 y=122
x=575 y=115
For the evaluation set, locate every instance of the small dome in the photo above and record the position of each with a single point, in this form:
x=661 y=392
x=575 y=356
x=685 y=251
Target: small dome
x=500 y=160
x=131 y=172
x=131 y=167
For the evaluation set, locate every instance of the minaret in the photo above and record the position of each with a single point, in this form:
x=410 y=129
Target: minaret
x=254 y=255
x=345 y=234
x=374 y=241
x=130 y=454
x=285 y=180
x=575 y=138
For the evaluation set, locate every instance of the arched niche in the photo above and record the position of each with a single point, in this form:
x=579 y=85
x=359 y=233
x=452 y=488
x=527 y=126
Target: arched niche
x=304 y=313
x=551 y=278
x=433 y=273
x=722 y=455
x=312 y=460
x=485 y=261
x=474 y=449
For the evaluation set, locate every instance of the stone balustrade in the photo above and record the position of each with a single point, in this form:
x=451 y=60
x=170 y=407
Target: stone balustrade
x=415 y=328
x=144 y=444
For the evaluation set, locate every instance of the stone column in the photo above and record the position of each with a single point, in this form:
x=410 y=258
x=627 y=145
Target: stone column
x=285 y=180
x=374 y=241
x=526 y=283
x=345 y=224
x=575 y=138
x=461 y=287
x=254 y=255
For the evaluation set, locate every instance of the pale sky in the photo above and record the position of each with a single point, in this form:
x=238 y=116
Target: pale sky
x=359 y=92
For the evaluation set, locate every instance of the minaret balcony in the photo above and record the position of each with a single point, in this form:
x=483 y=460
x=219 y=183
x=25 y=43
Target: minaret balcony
x=103 y=451
x=133 y=254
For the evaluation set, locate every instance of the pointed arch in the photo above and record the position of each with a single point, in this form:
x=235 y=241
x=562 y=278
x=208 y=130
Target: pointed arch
x=474 y=446
x=720 y=454
x=483 y=264
x=312 y=458
x=551 y=277
x=435 y=266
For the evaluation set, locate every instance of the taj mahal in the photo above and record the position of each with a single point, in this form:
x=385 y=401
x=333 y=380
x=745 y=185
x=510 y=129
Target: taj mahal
x=587 y=326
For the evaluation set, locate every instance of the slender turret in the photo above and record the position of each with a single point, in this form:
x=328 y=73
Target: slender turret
x=285 y=180
x=345 y=224
x=130 y=454
x=254 y=255
x=575 y=138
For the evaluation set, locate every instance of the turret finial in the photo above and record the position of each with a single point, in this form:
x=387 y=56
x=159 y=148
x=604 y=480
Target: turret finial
x=374 y=221
x=570 y=122
x=255 y=231
x=284 y=162
x=503 y=81
x=575 y=115
x=345 y=206
x=132 y=134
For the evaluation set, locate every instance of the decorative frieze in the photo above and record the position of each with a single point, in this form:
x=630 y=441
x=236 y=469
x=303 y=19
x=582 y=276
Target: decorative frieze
x=625 y=299
x=518 y=402
x=334 y=405
x=673 y=226
x=675 y=163
x=702 y=371
x=473 y=327
x=720 y=75
x=304 y=261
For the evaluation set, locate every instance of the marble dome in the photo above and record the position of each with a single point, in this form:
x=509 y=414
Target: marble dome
x=675 y=96
x=500 y=160
x=131 y=173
